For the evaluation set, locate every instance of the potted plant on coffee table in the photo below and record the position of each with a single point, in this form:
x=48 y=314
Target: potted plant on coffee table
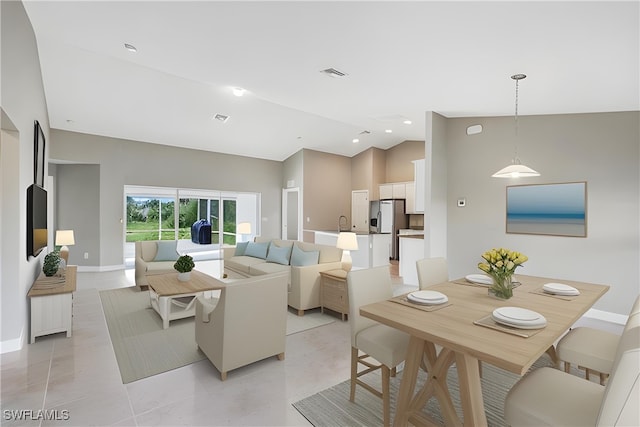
x=184 y=265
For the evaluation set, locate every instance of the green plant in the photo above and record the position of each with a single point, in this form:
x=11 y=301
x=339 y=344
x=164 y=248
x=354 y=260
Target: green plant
x=51 y=263
x=184 y=264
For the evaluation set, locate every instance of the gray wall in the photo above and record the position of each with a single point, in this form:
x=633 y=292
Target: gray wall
x=22 y=102
x=79 y=210
x=602 y=149
x=124 y=162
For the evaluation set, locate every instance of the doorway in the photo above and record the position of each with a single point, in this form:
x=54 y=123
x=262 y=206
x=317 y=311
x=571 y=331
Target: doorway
x=291 y=214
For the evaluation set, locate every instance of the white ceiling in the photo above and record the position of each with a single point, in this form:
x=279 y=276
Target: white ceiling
x=402 y=59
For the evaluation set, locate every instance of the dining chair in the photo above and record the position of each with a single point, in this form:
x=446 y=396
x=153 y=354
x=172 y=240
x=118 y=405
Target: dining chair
x=388 y=346
x=592 y=349
x=432 y=271
x=551 y=397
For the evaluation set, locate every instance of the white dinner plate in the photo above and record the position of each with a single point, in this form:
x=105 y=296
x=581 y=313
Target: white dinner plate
x=480 y=279
x=560 y=289
x=427 y=297
x=519 y=317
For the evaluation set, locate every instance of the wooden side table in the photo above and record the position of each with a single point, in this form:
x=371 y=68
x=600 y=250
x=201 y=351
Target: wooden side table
x=52 y=305
x=333 y=291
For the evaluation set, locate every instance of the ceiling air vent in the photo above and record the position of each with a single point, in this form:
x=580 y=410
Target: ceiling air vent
x=221 y=117
x=332 y=72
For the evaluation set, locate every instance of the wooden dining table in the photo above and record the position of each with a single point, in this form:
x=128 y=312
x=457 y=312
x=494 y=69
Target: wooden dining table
x=462 y=332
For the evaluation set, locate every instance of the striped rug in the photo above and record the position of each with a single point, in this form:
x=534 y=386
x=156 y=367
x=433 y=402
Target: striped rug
x=332 y=407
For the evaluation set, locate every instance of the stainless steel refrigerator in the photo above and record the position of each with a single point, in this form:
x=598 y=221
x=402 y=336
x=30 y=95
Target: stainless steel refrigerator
x=387 y=217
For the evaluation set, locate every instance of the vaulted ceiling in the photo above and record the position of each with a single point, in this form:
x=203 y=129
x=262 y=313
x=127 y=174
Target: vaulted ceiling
x=401 y=59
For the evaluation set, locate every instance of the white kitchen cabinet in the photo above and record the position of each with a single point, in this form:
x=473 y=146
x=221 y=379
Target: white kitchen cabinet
x=419 y=166
x=399 y=190
x=410 y=202
x=386 y=191
x=393 y=190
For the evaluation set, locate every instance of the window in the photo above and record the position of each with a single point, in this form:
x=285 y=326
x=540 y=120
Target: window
x=151 y=214
x=150 y=218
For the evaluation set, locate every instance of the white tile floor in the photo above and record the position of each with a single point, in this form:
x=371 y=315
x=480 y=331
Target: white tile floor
x=79 y=377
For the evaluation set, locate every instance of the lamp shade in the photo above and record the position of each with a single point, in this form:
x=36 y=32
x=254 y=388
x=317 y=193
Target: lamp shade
x=244 y=228
x=65 y=238
x=347 y=241
x=516 y=170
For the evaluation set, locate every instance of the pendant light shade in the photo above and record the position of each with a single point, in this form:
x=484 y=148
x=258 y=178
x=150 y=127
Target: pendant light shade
x=516 y=169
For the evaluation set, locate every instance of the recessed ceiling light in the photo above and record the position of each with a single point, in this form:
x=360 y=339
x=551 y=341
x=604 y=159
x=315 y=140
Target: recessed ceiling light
x=130 y=47
x=407 y=122
x=355 y=140
x=238 y=91
x=388 y=131
x=221 y=117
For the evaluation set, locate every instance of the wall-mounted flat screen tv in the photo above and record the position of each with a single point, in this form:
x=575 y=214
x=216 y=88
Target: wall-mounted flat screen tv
x=36 y=220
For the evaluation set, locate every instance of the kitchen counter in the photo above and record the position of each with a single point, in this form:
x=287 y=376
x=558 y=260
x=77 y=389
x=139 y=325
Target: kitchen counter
x=373 y=249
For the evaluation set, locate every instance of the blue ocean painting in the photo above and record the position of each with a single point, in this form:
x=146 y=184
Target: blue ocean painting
x=555 y=209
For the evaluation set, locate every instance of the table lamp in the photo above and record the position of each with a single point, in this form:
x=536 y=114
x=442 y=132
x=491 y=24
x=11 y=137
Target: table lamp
x=244 y=228
x=347 y=241
x=65 y=238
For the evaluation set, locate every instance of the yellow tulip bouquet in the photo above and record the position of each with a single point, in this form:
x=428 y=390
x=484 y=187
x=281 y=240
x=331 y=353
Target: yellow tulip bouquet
x=501 y=264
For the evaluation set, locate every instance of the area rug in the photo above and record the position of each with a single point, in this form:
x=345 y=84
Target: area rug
x=332 y=407
x=311 y=319
x=143 y=348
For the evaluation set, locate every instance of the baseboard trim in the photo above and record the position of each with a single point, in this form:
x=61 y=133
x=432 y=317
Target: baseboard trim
x=606 y=316
x=15 y=344
x=99 y=269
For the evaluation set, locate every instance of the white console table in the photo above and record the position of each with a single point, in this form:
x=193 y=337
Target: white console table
x=52 y=306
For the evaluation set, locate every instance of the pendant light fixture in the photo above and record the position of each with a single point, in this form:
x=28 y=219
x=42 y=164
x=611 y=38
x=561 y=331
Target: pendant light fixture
x=516 y=169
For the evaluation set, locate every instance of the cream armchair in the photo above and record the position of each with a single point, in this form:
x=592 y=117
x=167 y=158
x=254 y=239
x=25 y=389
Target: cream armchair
x=246 y=324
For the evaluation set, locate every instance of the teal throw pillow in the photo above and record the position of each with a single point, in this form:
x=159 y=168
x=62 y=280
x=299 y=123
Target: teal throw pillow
x=167 y=251
x=279 y=255
x=241 y=248
x=257 y=250
x=300 y=258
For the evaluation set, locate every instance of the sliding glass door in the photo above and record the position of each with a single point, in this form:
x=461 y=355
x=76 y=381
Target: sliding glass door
x=154 y=213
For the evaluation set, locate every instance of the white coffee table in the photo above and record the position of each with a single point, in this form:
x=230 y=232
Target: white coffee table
x=173 y=299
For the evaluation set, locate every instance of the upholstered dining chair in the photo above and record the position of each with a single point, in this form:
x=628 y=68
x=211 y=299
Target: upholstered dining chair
x=551 y=397
x=388 y=346
x=591 y=349
x=432 y=271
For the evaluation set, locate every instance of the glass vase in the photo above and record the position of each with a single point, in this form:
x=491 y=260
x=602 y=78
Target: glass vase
x=501 y=288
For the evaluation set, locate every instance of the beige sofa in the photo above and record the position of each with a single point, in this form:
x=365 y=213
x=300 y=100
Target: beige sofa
x=304 y=280
x=154 y=257
x=246 y=324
